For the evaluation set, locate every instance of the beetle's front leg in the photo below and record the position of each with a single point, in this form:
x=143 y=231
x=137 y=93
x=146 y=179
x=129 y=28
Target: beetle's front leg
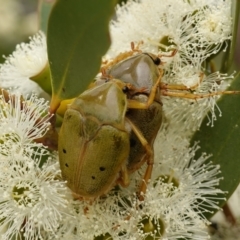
x=139 y=105
x=154 y=89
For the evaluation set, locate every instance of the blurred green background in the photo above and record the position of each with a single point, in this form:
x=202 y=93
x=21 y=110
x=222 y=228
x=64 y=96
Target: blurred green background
x=18 y=21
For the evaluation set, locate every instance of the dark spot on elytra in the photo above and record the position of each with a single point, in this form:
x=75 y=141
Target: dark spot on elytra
x=93 y=177
x=63 y=89
x=66 y=165
x=102 y=168
x=64 y=150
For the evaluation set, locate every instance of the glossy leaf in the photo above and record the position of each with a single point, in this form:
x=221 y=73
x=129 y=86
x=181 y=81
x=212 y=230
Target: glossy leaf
x=229 y=54
x=223 y=141
x=44 y=9
x=77 y=38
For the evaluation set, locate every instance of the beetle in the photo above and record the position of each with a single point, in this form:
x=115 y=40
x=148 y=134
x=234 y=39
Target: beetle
x=94 y=130
x=94 y=141
x=142 y=71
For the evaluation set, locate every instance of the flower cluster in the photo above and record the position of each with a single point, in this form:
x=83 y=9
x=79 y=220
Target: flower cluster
x=35 y=202
x=197 y=29
x=28 y=60
x=32 y=196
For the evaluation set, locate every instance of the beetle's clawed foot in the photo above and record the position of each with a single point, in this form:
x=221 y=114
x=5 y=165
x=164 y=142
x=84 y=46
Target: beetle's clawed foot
x=137 y=47
x=172 y=54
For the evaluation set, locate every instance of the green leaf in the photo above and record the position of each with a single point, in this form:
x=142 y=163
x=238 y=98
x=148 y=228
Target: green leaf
x=228 y=58
x=223 y=141
x=77 y=38
x=44 y=9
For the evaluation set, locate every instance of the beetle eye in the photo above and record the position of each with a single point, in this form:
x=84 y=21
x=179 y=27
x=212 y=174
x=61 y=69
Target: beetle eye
x=125 y=89
x=157 y=61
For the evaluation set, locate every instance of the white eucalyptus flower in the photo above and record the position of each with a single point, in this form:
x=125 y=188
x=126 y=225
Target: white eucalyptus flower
x=23 y=121
x=190 y=26
x=35 y=202
x=28 y=60
x=32 y=199
x=187 y=114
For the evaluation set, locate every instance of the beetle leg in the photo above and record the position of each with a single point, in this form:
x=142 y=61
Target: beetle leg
x=150 y=159
x=123 y=180
x=165 y=87
x=173 y=53
x=136 y=49
x=154 y=89
x=197 y=95
x=181 y=86
x=138 y=105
